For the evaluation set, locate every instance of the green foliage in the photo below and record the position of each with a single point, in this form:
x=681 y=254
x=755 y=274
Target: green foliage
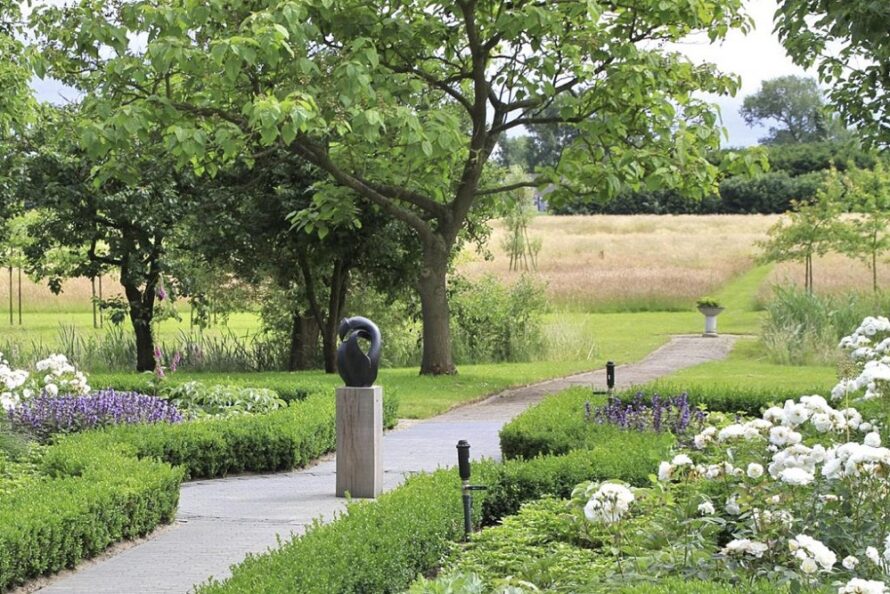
x=802 y=328
x=847 y=42
x=810 y=157
x=194 y=399
x=94 y=495
x=494 y=323
x=812 y=229
x=868 y=234
x=795 y=103
x=626 y=457
x=280 y=440
x=707 y=302
x=393 y=108
x=558 y=425
x=773 y=192
x=537 y=547
x=376 y=546
x=684 y=586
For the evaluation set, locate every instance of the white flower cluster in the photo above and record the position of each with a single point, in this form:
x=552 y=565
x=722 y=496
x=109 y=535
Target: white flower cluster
x=869 y=348
x=861 y=586
x=812 y=554
x=745 y=546
x=609 y=503
x=11 y=384
x=52 y=376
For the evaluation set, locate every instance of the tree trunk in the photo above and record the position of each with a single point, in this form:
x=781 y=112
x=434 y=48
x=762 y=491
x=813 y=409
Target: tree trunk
x=142 y=303
x=437 y=358
x=303 y=339
x=338 y=287
x=141 y=315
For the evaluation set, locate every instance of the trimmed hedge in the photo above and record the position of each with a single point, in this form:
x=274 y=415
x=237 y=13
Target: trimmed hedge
x=280 y=440
x=375 y=547
x=96 y=495
x=557 y=425
x=517 y=481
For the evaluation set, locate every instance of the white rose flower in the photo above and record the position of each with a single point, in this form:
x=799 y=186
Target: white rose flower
x=665 y=471
x=850 y=562
x=681 y=460
x=744 y=546
x=861 y=586
x=872 y=555
x=755 y=470
x=706 y=508
x=51 y=390
x=796 y=476
x=873 y=440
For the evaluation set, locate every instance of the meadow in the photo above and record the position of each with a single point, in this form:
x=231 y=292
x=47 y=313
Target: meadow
x=617 y=287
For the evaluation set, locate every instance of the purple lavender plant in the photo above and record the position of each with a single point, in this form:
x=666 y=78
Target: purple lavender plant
x=45 y=416
x=675 y=415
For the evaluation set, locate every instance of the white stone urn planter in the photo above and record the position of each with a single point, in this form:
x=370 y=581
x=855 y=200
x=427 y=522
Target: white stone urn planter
x=710 y=314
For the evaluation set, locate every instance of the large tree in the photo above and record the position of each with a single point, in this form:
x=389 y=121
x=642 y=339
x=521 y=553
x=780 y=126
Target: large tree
x=403 y=101
x=125 y=225
x=794 y=103
x=249 y=224
x=848 y=43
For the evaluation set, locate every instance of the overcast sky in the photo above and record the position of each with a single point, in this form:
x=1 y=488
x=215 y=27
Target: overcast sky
x=756 y=57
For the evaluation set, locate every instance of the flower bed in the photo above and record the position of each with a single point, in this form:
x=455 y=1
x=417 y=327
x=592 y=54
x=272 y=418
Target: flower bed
x=44 y=416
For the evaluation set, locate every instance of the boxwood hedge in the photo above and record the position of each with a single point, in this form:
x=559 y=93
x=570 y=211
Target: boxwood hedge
x=94 y=496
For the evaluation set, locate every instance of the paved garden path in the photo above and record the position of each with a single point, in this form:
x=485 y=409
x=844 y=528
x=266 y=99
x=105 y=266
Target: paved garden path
x=220 y=521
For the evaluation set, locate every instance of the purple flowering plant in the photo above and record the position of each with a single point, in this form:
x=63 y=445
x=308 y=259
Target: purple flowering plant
x=656 y=413
x=44 y=416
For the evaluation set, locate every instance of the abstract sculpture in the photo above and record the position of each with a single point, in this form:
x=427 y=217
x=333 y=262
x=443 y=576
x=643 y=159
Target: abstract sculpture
x=358 y=369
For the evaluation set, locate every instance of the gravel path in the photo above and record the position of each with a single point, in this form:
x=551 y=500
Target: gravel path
x=220 y=521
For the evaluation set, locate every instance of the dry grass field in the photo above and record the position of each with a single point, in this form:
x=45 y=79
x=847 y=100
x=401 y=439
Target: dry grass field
x=36 y=297
x=592 y=263
x=631 y=263
x=832 y=274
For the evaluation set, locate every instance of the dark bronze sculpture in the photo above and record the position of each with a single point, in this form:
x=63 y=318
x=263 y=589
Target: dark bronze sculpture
x=358 y=370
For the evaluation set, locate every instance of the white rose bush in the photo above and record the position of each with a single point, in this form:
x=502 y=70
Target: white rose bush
x=797 y=497
x=52 y=376
x=869 y=351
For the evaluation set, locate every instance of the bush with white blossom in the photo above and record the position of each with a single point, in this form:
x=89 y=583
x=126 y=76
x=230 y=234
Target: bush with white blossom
x=804 y=492
x=869 y=349
x=51 y=376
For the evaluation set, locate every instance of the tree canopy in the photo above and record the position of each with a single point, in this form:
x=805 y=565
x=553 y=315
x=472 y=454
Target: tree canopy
x=794 y=103
x=848 y=43
x=402 y=103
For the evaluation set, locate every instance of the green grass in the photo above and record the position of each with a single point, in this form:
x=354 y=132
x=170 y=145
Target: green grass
x=43 y=327
x=747 y=366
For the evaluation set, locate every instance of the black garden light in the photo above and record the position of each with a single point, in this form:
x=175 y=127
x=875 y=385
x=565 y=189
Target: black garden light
x=463 y=467
x=610 y=379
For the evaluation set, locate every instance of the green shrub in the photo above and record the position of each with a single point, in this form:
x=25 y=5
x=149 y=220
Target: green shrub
x=93 y=497
x=194 y=399
x=282 y=439
x=493 y=323
x=557 y=425
x=375 y=547
x=802 y=328
x=630 y=457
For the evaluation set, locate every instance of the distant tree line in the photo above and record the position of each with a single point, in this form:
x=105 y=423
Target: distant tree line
x=796 y=173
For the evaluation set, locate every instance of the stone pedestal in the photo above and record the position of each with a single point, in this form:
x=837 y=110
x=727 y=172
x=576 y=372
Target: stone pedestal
x=359 y=442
